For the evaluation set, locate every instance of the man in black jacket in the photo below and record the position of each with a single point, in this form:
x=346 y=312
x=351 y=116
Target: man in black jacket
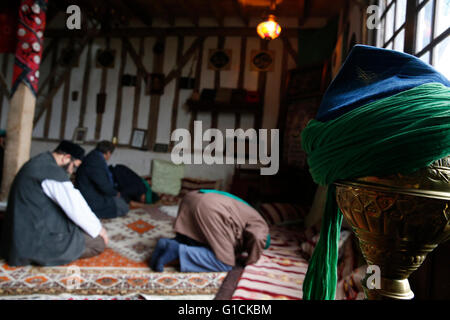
x=95 y=182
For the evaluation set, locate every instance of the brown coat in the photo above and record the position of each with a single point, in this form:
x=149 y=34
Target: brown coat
x=228 y=226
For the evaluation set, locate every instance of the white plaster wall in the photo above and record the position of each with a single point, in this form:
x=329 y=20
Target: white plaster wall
x=140 y=160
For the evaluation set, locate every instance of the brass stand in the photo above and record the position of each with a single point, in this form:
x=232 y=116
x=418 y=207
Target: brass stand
x=398 y=220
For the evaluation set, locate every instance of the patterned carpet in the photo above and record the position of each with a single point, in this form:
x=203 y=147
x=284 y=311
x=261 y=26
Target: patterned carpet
x=121 y=270
x=279 y=272
x=281 y=269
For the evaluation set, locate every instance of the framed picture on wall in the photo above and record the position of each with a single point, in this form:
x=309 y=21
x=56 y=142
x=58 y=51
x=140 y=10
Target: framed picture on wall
x=79 y=135
x=138 y=138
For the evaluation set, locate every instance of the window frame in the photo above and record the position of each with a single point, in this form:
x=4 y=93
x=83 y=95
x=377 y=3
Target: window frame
x=413 y=8
x=395 y=32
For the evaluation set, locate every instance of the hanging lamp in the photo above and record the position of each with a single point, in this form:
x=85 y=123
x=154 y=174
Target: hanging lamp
x=269 y=29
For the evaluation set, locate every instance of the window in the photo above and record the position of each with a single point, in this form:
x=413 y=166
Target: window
x=432 y=34
x=426 y=29
x=391 y=34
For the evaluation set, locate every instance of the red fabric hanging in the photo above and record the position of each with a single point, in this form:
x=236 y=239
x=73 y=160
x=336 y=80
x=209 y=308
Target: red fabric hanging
x=30 y=43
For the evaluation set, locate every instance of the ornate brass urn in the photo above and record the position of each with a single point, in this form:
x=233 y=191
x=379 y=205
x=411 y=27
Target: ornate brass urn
x=398 y=220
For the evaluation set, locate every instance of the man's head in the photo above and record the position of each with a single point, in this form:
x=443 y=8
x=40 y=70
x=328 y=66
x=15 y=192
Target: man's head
x=68 y=155
x=106 y=148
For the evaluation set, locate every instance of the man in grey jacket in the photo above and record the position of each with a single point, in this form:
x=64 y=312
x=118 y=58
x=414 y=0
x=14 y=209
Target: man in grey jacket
x=47 y=220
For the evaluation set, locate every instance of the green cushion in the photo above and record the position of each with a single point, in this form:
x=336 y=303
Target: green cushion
x=166 y=177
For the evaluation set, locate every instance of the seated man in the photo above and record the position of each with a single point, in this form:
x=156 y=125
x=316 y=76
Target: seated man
x=96 y=183
x=214 y=230
x=47 y=220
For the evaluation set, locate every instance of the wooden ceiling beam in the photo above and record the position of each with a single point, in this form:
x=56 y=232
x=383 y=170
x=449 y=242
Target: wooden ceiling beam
x=121 y=10
x=288 y=46
x=184 y=59
x=165 y=11
x=177 y=31
x=190 y=9
x=241 y=12
x=216 y=12
x=137 y=59
x=45 y=103
x=139 y=11
x=305 y=11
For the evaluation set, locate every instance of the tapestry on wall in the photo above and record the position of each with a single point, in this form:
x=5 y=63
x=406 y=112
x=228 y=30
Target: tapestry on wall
x=30 y=42
x=298 y=115
x=303 y=95
x=120 y=270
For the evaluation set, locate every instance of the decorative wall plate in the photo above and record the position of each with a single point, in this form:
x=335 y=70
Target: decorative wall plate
x=262 y=60
x=219 y=59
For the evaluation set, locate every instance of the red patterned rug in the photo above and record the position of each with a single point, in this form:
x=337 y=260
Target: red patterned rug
x=281 y=269
x=120 y=270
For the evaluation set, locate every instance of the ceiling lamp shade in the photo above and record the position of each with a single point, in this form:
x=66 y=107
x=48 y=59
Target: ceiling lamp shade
x=269 y=29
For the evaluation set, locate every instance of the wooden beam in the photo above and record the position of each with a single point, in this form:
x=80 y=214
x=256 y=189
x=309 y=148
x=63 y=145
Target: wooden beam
x=140 y=76
x=283 y=87
x=55 y=64
x=118 y=112
x=410 y=27
x=85 y=89
x=262 y=80
x=288 y=45
x=215 y=10
x=240 y=84
x=168 y=32
x=176 y=99
x=242 y=61
x=40 y=109
x=164 y=9
x=214 y=114
x=190 y=10
x=103 y=80
x=137 y=59
x=139 y=11
x=121 y=9
x=305 y=11
x=184 y=59
x=241 y=12
x=4 y=92
x=19 y=128
x=152 y=127
x=198 y=75
x=51 y=84
x=65 y=105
